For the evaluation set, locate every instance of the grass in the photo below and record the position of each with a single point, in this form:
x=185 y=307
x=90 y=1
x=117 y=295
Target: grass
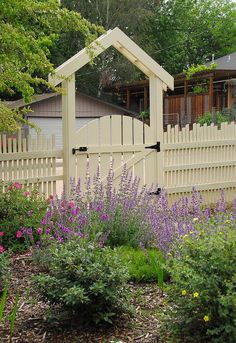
x=143 y=265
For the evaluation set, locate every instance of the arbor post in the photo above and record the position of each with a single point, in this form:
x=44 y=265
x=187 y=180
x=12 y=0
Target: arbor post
x=68 y=130
x=156 y=122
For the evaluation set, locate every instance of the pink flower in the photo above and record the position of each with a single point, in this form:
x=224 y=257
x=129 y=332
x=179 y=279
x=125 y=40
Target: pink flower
x=1 y=233
x=39 y=231
x=2 y=249
x=17 y=185
x=50 y=198
x=26 y=194
x=71 y=204
x=19 y=234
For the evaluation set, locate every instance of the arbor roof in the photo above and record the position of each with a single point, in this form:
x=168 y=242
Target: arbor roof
x=125 y=46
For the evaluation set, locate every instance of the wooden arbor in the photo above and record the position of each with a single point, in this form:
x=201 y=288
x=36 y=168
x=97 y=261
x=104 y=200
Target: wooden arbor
x=159 y=79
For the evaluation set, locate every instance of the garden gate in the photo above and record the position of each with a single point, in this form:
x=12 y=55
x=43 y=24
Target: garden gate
x=122 y=138
x=117 y=139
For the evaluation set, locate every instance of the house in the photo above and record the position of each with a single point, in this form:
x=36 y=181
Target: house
x=207 y=91
x=47 y=112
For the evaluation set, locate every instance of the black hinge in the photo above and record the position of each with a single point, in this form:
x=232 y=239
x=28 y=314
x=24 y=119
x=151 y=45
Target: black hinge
x=81 y=148
x=157 y=147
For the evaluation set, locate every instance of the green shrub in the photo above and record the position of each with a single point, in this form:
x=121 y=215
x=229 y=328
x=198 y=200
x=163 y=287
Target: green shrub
x=21 y=213
x=4 y=269
x=207 y=118
x=88 y=280
x=202 y=293
x=142 y=265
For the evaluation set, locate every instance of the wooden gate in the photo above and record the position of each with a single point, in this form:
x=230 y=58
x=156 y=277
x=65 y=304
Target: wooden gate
x=119 y=140
x=124 y=139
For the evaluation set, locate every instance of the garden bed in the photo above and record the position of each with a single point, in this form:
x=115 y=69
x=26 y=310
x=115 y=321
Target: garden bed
x=35 y=323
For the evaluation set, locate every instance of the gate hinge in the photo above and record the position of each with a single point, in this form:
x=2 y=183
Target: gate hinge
x=81 y=148
x=157 y=147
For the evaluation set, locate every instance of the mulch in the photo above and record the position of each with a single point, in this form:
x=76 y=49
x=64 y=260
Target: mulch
x=35 y=322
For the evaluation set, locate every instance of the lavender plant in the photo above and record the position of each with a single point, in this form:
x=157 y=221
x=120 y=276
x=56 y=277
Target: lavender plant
x=129 y=215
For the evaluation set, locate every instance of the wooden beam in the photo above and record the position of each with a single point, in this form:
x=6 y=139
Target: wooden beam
x=210 y=93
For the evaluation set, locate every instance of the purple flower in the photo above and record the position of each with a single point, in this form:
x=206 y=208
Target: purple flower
x=66 y=229
x=47 y=231
x=43 y=221
x=99 y=208
x=75 y=211
x=104 y=217
x=80 y=234
x=39 y=231
x=29 y=231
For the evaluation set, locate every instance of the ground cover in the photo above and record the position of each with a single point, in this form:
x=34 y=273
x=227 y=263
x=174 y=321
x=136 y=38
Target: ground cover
x=82 y=276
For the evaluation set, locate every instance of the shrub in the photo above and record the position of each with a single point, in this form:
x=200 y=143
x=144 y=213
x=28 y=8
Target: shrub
x=21 y=213
x=85 y=278
x=142 y=264
x=202 y=293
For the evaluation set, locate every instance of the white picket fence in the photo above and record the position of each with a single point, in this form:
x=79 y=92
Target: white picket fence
x=31 y=161
x=204 y=157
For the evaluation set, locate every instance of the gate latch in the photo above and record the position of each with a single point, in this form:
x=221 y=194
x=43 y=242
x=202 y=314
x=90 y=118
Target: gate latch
x=158 y=191
x=81 y=148
x=157 y=147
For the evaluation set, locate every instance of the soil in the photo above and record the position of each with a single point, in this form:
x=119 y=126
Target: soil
x=35 y=322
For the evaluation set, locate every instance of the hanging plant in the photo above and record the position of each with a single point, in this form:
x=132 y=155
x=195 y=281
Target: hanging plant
x=194 y=69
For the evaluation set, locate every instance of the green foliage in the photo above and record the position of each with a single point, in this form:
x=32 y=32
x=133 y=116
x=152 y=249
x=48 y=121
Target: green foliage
x=144 y=114
x=85 y=278
x=4 y=269
x=12 y=316
x=208 y=118
x=202 y=292
x=194 y=69
x=12 y=119
x=198 y=89
x=3 y=302
x=142 y=264
x=129 y=232
x=28 y=30
x=179 y=33
x=21 y=213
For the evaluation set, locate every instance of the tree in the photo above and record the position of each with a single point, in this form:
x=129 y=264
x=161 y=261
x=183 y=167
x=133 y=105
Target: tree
x=185 y=32
x=110 y=66
x=28 y=30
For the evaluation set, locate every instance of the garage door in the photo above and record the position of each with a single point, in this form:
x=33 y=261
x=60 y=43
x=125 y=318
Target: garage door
x=51 y=126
